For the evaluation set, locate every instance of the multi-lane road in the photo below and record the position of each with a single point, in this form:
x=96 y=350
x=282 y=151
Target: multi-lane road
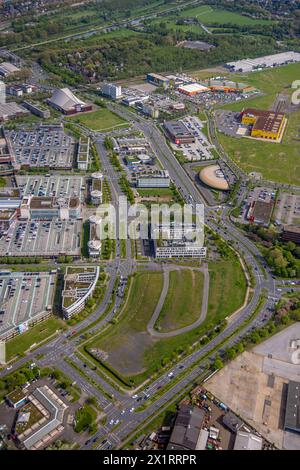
x=123 y=410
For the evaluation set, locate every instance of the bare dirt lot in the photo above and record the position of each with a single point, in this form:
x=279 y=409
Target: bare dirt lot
x=255 y=386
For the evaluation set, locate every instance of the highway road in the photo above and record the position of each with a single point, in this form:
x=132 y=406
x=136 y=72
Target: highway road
x=123 y=418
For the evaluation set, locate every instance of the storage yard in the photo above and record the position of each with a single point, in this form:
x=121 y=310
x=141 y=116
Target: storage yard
x=24 y=297
x=255 y=385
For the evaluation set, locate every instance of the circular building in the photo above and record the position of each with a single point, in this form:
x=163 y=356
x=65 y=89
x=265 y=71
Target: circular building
x=214 y=177
x=97 y=175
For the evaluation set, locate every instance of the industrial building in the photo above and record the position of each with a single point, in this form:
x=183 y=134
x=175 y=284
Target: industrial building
x=260 y=212
x=187 y=428
x=130 y=145
x=158 y=80
x=79 y=285
x=275 y=60
x=178 y=132
x=292 y=411
x=264 y=124
x=6 y=69
x=159 y=179
x=247 y=441
x=49 y=208
x=11 y=110
x=291 y=233
x=67 y=103
x=228 y=86
x=192 y=89
x=112 y=91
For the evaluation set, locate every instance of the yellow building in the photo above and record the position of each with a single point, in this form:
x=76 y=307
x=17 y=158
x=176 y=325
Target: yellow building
x=265 y=124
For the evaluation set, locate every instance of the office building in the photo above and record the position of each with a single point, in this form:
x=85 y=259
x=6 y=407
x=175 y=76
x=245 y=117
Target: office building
x=159 y=179
x=187 y=428
x=112 y=91
x=79 y=285
x=49 y=208
x=37 y=109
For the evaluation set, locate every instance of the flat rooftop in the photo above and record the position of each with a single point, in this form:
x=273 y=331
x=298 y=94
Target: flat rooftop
x=24 y=297
x=42 y=238
x=52 y=185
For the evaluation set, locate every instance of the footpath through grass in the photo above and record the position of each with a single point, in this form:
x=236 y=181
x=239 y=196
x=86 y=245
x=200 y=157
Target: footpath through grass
x=183 y=302
x=132 y=354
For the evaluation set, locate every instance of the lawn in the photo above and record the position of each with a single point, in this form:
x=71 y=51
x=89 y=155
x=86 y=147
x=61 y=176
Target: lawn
x=133 y=356
x=85 y=417
x=276 y=162
x=40 y=332
x=182 y=306
x=207 y=15
x=157 y=192
x=100 y=120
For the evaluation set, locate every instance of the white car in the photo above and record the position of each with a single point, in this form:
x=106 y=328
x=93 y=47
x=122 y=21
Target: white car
x=132 y=409
x=135 y=396
x=9 y=367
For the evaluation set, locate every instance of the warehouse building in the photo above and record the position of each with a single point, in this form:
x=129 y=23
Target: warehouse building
x=292 y=412
x=67 y=103
x=260 y=212
x=6 y=69
x=178 y=132
x=275 y=60
x=247 y=441
x=192 y=89
x=265 y=124
x=158 y=80
x=291 y=233
x=11 y=110
x=187 y=428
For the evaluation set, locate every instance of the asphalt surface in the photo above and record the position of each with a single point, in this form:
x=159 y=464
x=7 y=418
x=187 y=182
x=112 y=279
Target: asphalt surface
x=120 y=406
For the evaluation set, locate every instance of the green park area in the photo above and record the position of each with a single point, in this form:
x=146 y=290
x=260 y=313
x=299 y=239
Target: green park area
x=208 y=15
x=131 y=355
x=100 y=120
x=182 y=306
x=21 y=343
x=85 y=419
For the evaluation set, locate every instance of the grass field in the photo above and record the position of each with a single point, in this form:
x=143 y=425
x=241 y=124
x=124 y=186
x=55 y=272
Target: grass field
x=20 y=344
x=133 y=355
x=270 y=82
x=207 y=14
x=99 y=120
x=182 y=306
x=158 y=192
x=276 y=162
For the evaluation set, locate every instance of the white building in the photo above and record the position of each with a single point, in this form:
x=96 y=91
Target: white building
x=112 y=91
x=96 y=188
x=76 y=292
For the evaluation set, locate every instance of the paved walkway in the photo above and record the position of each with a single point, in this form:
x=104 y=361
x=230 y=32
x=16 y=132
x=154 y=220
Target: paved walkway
x=185 y=329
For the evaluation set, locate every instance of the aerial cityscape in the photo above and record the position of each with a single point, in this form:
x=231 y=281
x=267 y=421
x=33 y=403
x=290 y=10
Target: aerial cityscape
x=149 y=228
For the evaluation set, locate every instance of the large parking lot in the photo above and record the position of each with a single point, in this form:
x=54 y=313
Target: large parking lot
x=49 y=238
x=52 y=186
x=288 y=209
x=228 y=123
x=43 y=148
x=24 y=296
x=202 y=149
